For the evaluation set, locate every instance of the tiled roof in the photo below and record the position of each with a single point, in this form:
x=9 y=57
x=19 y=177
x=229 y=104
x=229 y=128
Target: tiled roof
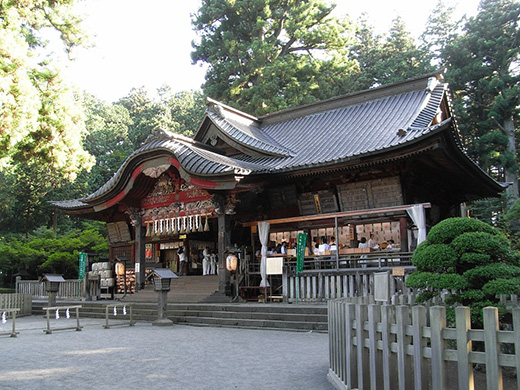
x=344 y=133
x=316 y=135
x=195 y=160
x=248 y=135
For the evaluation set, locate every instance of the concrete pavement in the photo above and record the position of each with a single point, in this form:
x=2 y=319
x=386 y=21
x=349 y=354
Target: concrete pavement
x=145 y=356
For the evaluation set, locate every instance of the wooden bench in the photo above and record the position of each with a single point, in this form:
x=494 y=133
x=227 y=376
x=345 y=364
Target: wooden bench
x=54 y=308
x=114 y=306
x=13 y=312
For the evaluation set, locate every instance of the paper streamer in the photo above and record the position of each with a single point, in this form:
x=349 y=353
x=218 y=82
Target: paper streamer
x=124 y=310
x=115 y=311
x=4 y=320
x=57 y=314
x=67 y=313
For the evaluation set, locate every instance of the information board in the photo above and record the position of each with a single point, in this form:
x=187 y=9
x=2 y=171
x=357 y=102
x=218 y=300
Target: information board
x=82 y=265
x=300 y=251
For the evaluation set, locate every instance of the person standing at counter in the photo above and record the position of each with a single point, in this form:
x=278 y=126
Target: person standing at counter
x=372 y=243
x=333 y=246
x=363 y=243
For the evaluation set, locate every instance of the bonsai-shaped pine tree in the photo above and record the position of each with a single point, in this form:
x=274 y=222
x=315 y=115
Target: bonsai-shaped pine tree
x=470 y=260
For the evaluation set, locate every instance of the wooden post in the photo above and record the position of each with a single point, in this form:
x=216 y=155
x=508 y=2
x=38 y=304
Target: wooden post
x=140 y=256
x=419 y=344
x=374 y=317
x=403 y=341
x=493 y=369
x=350 y=352
x=464 y=367
x=403 y=234
x=362 y=356
x=389 y=360
x=224 y=242
x=516 y=328
x=438 y=324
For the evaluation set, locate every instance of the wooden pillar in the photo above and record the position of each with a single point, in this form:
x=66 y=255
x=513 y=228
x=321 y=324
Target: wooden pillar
x=224 y=242
x=140 y=257
x=404 y=234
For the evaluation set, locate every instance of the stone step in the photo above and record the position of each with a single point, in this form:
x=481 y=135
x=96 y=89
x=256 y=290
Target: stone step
x=251 y=323
x=275 y=316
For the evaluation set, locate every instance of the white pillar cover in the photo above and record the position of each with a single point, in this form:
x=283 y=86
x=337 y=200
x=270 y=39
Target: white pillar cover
x=263 y=234
x=416 y=212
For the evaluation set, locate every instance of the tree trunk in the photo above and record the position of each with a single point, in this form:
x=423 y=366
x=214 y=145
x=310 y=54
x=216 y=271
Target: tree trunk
x=511 y=172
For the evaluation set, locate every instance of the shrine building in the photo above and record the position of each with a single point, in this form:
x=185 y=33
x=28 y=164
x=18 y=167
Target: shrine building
x=350 y=167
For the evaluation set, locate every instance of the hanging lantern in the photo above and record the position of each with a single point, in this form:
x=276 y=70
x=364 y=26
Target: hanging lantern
x=206 y=224
x=231 y=262
x=120 y=268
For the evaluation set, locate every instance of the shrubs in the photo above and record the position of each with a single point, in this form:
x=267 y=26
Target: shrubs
x=468 y=258
x=45 y=252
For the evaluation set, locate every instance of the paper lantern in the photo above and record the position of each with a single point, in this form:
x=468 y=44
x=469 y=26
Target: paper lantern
x=120 y=268
x=231 y=263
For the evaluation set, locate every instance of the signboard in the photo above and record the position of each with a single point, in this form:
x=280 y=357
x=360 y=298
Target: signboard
x=82 y=265
x=274 y=266
x=398 y=271
x=300 y=251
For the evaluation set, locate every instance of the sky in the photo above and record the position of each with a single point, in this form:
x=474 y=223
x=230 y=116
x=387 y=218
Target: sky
x=148 y=44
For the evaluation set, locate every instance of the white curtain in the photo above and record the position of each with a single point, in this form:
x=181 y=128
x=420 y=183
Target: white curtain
x=416 y=212
x=263 y=233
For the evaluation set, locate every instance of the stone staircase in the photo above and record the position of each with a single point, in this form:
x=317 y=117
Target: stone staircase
x=242 y=315
x=185 y=289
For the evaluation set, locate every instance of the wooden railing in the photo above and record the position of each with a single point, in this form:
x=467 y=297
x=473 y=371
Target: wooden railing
x=16 y=301
x=322 y=285
x=375 y=346
x=70 y=289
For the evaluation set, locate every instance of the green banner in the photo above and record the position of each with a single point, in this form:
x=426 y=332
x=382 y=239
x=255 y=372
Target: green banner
x=82 y=265
x=300 y=251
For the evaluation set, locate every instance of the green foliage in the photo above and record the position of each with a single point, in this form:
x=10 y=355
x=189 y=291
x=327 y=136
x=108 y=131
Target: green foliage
x=267 y=55
x=45 y=252
x=446 y=231
x=468 y=260
x=435 y=258
x=399 y=57
x=482 y=71
x=502 y=286
x=40 y=118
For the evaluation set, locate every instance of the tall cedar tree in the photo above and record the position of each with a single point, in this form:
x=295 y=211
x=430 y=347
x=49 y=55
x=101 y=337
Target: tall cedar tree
x=484 y=74
x=267 y=55
x=40 y=118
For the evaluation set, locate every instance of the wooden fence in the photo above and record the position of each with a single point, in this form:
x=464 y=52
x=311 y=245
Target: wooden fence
x=322 y=285
x=401 y=347
x=16 y=301
x=70 y=289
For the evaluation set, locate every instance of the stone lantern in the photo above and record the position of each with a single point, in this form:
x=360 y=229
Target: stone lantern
x=162 y=279
x=52 y=286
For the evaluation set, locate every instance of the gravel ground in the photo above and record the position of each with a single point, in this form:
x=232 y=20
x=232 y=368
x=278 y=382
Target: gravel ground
x=172 y=357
